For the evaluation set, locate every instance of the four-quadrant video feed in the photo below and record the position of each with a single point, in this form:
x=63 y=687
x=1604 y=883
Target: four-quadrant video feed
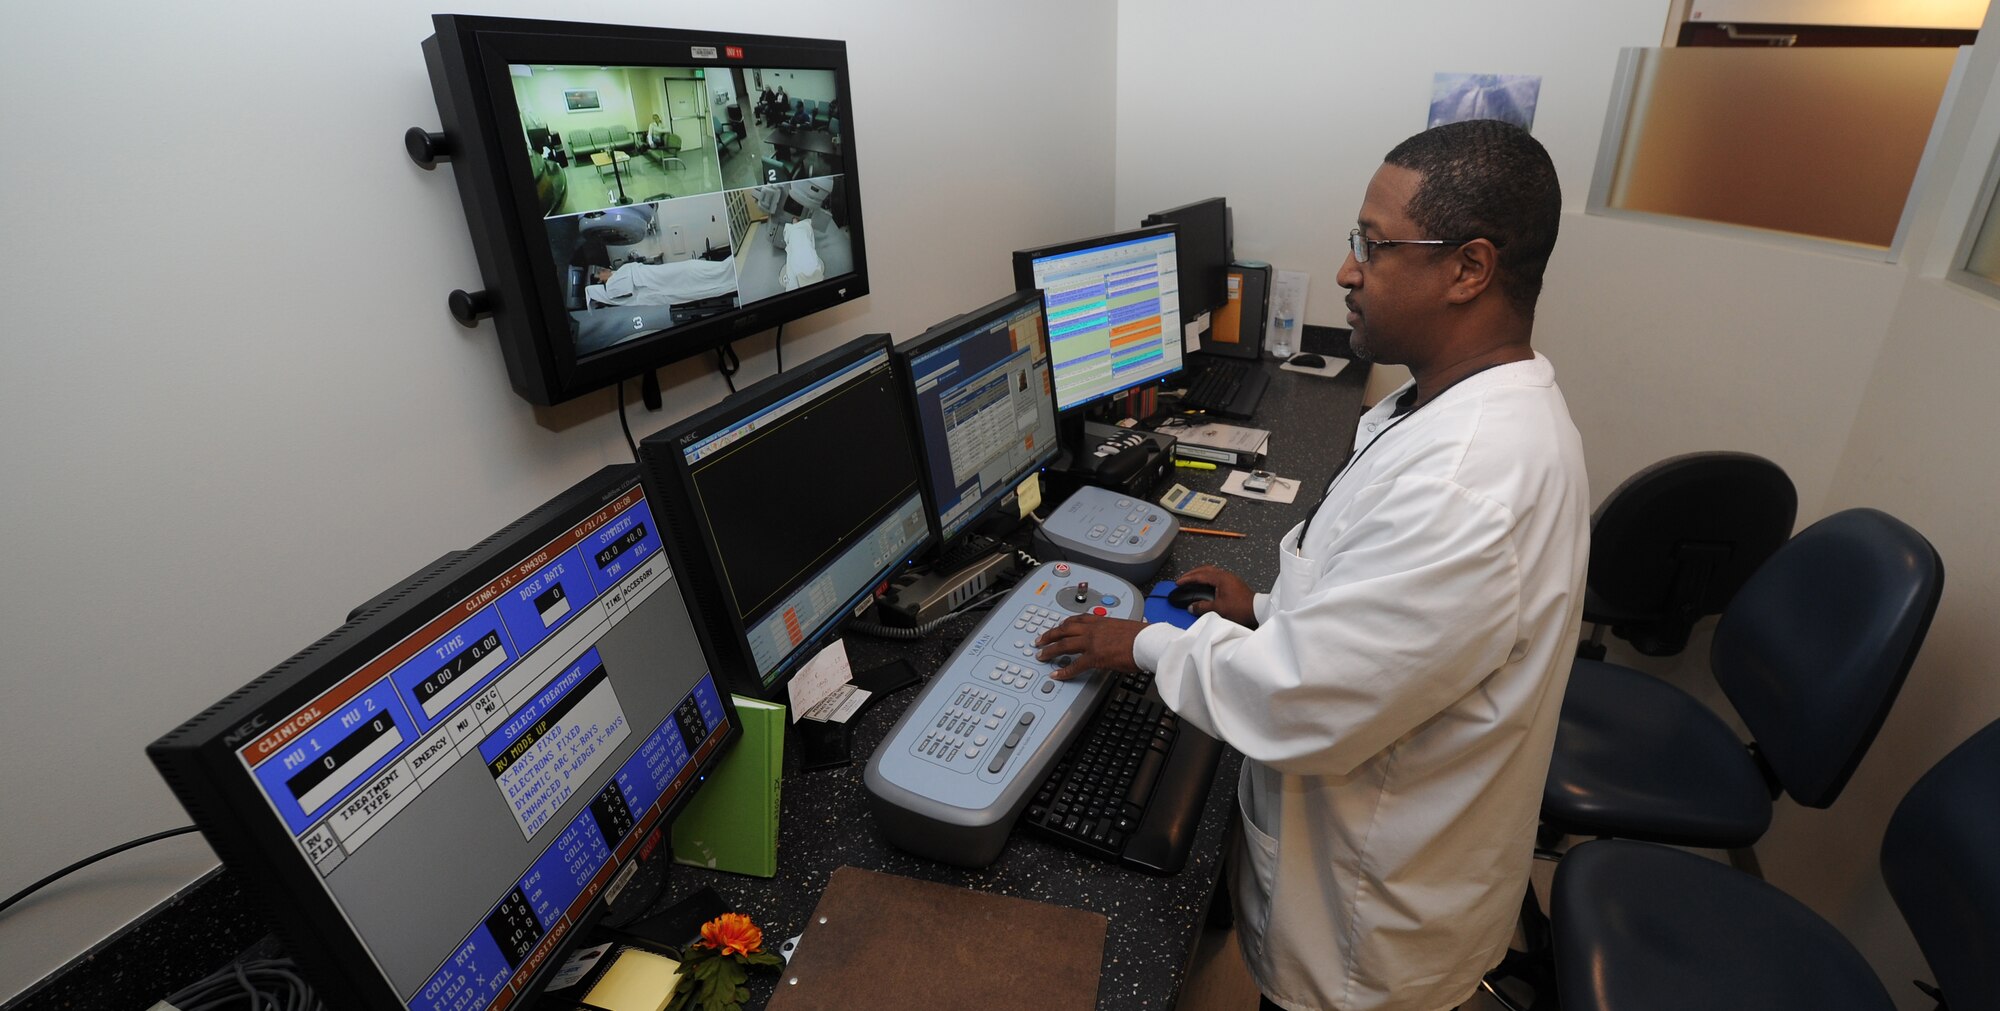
x=672 y=194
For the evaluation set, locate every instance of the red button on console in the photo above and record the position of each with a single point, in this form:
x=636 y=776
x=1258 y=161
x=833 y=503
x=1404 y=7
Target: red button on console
x=1099 y=611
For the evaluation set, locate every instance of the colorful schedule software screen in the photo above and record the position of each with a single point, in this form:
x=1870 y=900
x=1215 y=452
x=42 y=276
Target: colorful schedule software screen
x=1114 y=315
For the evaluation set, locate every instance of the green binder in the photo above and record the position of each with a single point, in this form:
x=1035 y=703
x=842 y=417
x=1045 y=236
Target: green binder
x=732 y=822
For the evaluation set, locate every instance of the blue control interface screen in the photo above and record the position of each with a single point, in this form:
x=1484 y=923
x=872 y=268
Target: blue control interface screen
x=469 y=792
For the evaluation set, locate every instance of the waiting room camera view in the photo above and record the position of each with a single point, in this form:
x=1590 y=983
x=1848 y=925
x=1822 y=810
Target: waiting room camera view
x=672 y=194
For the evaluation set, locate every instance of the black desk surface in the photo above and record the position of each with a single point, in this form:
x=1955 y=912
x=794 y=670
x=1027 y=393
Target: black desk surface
x=1155 y=921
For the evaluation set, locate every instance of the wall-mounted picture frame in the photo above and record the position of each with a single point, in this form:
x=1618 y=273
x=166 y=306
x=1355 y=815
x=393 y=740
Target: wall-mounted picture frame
x=581 y=100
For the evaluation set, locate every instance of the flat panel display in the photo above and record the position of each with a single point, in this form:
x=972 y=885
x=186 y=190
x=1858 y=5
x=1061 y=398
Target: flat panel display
x=1113 y=311
x=438 y=796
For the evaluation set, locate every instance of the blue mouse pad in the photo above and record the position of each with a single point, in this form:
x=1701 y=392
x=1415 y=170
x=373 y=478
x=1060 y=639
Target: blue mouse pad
x=1157 y=608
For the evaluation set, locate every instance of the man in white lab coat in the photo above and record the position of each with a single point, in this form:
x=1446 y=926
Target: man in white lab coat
x=1396 y=693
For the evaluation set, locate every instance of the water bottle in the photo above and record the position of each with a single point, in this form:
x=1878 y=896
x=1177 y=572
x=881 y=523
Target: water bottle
x=1283 y=320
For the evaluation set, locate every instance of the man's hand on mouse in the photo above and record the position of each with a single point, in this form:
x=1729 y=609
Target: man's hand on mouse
x=1234 y=599
x=1090 y=641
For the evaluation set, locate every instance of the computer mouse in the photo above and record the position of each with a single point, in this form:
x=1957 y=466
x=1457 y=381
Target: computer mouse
x=1308 y=361
x=1187 y=593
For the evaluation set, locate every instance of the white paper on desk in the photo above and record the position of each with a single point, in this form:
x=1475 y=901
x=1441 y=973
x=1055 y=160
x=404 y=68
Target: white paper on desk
x=578 y=964
x=819 y=677
x=838 y=707
x=1283 y=489
x=1191 y=334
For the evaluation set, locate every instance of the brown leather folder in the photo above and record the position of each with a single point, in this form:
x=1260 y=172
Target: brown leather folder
x=892 y=941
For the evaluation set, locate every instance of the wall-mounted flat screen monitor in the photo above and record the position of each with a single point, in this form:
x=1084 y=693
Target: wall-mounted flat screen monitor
x=439 y=797
x=639 y=195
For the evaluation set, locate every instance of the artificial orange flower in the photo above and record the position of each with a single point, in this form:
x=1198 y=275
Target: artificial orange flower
x=733 y=933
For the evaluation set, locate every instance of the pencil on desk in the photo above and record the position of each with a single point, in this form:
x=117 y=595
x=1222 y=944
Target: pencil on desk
x=1211 y=533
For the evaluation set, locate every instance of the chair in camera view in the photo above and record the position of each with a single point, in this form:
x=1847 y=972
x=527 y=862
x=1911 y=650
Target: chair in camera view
x=1673 y=543
x=1639 y=926
x=668 y=153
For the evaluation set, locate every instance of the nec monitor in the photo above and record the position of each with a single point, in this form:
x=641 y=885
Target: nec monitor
x=985 y=406
x=789 y=503
x=639 y=195
x=1204 y=253
x=1113 y=310
x=442 y=794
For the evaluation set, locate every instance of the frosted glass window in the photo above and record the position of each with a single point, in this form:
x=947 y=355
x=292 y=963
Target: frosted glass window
x=1985 y=258
x=1822 y=143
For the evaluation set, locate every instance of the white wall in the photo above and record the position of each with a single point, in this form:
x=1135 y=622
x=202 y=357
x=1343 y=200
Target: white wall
x=234 y=392
x=1870 y=383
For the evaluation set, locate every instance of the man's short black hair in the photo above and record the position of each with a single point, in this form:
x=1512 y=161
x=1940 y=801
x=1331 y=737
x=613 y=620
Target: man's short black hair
x=1484 y=178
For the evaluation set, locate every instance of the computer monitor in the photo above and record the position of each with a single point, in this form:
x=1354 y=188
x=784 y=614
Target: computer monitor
x=1204 y=251
x=985 y=404
x=440 y=796
x=788 y=504
x=1113 y=310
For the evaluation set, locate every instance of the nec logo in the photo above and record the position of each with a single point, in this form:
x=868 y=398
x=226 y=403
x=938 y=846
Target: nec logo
x=843 y=293
x=250 y=728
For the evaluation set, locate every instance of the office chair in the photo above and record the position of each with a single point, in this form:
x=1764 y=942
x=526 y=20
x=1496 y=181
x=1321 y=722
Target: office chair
x=725 y=135
x=1640 y=926
x=1811 y=652
x=1673 y=543
x=819 y=116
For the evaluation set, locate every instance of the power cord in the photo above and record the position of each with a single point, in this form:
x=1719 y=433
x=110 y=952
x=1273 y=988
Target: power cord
x=879 y=631
x=93 y=858
x=728 y=364
x=625 y=424
x=261 y=984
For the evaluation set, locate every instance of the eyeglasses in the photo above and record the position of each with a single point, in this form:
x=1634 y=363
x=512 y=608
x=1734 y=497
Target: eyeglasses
x=1362 y=246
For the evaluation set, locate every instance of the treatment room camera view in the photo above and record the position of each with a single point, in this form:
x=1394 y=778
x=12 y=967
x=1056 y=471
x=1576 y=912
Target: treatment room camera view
x=670 y=197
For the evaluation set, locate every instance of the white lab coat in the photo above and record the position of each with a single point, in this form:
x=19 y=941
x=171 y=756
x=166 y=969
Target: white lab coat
x=1398 y=700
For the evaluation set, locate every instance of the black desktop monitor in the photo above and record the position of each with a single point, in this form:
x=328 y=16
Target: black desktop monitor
x=789 y=503
x=442 y=794
x=1113 y=310
x=985 y=407
x=1204 y=252
x=639 y=195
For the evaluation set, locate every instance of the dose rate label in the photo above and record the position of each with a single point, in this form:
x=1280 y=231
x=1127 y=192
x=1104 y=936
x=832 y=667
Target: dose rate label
x=552 y=745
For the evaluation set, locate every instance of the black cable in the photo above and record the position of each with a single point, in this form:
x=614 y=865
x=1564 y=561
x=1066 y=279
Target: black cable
x=93 y=858
x=623 y=423
x=727 y=363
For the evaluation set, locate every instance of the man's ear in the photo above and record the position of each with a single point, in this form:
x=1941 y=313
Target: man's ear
x=1477 y=265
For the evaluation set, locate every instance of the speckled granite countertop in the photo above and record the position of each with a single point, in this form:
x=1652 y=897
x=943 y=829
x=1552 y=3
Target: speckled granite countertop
x=824 y=820
x=1154 y=921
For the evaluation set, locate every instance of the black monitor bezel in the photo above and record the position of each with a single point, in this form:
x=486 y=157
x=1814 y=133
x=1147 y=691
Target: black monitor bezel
x=1024 y=277
x=467 y=59
x=1179 y=215
x=944 y=333
x=670 y=486
x=198 y=761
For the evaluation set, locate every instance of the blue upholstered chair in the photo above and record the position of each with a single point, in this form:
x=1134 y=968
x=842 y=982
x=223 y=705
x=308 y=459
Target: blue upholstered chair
x=1673 y=544
x=1640 y=927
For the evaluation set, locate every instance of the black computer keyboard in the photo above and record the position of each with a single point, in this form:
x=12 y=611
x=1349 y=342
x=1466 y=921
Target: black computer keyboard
x=1230 y=389
x=1132 y=787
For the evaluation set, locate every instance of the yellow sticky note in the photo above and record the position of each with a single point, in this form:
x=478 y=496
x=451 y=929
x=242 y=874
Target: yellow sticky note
x=638 y=981
x=1029 y=494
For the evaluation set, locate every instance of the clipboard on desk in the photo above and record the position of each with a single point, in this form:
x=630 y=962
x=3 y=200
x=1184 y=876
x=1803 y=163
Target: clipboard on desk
x=890 y=941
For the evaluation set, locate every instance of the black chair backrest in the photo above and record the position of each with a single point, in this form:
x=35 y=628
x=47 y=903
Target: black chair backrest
x=1678 y=538
x=1816 y=644
x=1941 y=859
